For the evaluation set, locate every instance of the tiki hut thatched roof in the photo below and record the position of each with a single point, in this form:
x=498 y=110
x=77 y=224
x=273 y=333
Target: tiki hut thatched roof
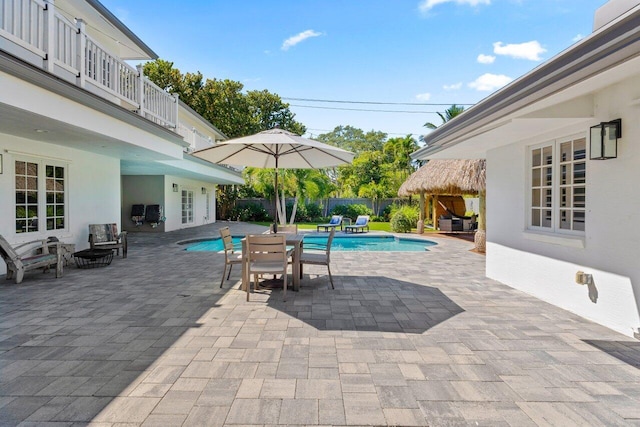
x=450 y=177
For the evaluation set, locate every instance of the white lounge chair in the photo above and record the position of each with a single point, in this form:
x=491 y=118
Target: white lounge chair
x=361 y=225
x=335 y=221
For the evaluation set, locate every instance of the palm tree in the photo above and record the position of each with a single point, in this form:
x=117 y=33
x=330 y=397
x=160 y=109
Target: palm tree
x=449 y=114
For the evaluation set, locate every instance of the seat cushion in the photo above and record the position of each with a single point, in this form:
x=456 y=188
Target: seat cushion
x=265 y=267
x=311 y=258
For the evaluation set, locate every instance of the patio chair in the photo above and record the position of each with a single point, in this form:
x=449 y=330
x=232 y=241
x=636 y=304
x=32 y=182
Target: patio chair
x=105 y=236
x=321 y=254
x=286 y=229
x=267 y=254
x=361 y=225
x=18 y=263
x=230 y=257
x=335 y=221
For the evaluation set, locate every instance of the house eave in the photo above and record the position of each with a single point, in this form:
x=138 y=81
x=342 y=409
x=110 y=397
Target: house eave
x=113 y=20
x=202 y=120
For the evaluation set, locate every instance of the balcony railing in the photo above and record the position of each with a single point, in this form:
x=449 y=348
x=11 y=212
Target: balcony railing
x=196 y=139
x=64 y=47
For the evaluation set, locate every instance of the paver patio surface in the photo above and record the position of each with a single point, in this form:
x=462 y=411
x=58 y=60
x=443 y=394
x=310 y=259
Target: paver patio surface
x=419 y=338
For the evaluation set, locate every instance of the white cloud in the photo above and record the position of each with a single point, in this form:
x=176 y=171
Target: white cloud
x=486 y=59
x=423 y=96
x=490 y=82
x=427 y=5
x=577 y=38
x=455 y=86
x=529 y=50
x=294 y=40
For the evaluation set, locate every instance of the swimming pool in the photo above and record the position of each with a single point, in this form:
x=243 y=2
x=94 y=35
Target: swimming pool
x=340 y=244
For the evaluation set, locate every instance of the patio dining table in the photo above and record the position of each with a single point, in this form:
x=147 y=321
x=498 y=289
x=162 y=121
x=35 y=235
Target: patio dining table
x=294 y=240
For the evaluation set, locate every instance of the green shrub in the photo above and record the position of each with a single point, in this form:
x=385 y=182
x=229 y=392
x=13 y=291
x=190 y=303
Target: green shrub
x=351 y=211
x=404 y=219
x=400 y=223
x=314 y=211
x=250 y=212
x=310 y=212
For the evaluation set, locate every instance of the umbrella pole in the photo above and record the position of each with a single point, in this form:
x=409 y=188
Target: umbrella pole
x=275 y=222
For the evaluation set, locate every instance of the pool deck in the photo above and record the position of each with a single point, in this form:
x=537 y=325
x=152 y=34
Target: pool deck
x=407 y=338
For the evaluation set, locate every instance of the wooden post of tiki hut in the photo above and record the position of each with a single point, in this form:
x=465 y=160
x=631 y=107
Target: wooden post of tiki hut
x=421 y=215
x=480 y=237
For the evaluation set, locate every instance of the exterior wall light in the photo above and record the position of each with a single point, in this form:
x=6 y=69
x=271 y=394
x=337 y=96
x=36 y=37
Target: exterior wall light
x=604 y=140
x=204 y=190
x=175 y=188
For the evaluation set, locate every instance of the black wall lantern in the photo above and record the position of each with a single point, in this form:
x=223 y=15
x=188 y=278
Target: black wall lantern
x=604 y=140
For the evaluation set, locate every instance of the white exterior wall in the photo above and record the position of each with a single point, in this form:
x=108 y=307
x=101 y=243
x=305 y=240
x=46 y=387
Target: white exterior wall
x=544 y=265
x=92 y=186
x=173 y=202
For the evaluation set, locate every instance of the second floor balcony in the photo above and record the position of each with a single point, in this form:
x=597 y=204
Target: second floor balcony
x=36 y=32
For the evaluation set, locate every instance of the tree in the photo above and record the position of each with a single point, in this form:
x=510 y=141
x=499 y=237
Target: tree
x=398 y=152
x=449 y=114
x=353 y=139
x=223 y=103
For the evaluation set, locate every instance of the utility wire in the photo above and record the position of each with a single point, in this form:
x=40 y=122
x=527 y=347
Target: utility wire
x=372 y=102
x=363 y=109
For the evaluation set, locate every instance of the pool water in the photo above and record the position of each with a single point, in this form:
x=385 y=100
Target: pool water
x=340 y=244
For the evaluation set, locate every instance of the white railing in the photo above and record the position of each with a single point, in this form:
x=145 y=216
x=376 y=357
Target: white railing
x=196 y=139
x=23 y=22
x=110 y=72
x=66 y=52
x=159 y=106
x=36 y=26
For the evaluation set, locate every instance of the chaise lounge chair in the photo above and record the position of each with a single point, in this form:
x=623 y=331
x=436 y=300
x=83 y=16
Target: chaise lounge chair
x=361 y=225
x=336 y=220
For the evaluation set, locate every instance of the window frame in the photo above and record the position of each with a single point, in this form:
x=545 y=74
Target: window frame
x=41 y=188
x=555 y=187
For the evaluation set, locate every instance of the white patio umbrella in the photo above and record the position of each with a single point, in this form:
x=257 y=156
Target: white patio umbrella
x=276 y=148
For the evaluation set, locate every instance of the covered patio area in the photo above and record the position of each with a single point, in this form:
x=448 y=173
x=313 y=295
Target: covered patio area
x=420 y=338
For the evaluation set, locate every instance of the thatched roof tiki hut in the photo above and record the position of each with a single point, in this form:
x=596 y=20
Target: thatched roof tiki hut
x=449 y=178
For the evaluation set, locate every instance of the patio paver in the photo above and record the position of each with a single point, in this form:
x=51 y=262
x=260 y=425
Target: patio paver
x=418 y=338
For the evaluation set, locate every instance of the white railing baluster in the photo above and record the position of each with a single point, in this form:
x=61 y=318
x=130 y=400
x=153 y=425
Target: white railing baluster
x=81 y=48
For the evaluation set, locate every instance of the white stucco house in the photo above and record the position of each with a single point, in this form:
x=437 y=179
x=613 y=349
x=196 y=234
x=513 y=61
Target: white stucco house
x=554 y=207
x=84 y=135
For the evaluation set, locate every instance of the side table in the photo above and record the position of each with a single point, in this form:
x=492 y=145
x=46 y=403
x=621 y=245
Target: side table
x=66 y=250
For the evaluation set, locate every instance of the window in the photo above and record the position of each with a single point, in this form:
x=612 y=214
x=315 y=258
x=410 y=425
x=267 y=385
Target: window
x=187 y=206
x=208 y=206
x=558 y=186
x=39 y=188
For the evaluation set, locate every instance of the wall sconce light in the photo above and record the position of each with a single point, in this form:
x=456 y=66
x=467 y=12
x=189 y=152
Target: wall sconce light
x=204 y=190
x=175 y=188
x=604 y=140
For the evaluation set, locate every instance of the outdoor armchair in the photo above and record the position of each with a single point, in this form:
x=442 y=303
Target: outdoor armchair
x=318 y=254
x=106 y=236
x=286 y=229
x=267 y=254
x=361 y=225
x=336 y=220
x=30 y=259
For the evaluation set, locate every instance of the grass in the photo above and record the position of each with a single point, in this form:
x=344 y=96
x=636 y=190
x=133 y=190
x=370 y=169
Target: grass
x=377 y=226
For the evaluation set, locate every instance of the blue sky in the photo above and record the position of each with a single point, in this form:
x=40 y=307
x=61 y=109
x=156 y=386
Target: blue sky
x=392 y=51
